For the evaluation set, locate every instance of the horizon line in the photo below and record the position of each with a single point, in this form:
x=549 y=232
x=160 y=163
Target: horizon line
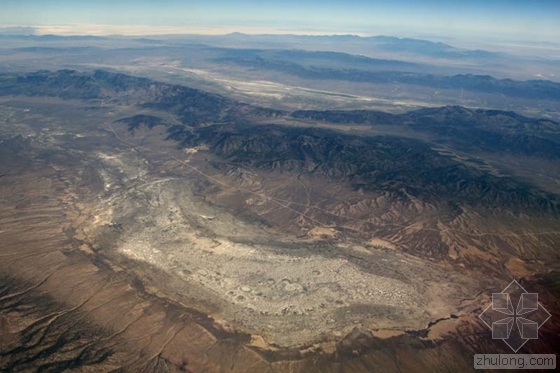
x=98 y=29
x=114 y=30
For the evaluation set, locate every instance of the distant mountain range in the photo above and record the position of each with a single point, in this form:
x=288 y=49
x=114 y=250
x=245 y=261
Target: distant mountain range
x=428 y=48
x=489 y=130
x=381 y=43
x=386 y=71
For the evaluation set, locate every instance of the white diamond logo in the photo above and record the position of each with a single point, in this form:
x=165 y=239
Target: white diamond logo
x=515 y=316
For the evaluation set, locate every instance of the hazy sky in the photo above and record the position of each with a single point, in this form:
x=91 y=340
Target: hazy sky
x=517 y=19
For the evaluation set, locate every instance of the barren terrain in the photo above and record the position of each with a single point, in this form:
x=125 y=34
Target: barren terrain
x=153 y=227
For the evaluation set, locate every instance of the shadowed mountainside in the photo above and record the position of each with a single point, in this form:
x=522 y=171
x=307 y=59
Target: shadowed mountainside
x=491 y=131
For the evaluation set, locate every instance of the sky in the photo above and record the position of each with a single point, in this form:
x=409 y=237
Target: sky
x=509 y=19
